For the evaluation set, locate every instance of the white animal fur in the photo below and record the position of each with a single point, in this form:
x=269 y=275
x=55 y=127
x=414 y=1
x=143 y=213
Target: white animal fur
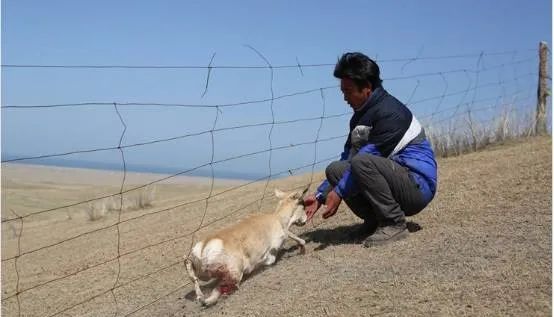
x=229 y=253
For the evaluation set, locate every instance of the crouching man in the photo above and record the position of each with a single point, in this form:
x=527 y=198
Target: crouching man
x=387 y=170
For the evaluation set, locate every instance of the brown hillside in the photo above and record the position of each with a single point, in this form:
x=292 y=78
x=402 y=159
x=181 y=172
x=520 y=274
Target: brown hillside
x=485 y=247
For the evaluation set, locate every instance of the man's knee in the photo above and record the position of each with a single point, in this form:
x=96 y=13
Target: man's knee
x=335 y=170
x=363 y=163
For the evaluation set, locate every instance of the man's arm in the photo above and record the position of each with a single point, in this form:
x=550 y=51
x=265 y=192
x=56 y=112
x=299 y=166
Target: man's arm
x=314 y=201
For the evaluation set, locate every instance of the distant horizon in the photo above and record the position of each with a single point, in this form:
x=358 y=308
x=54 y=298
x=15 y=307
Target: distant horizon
x=138 y=168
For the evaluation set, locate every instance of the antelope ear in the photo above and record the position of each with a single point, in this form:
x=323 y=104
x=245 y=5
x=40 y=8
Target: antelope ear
x=279 y=194
x=300 y=195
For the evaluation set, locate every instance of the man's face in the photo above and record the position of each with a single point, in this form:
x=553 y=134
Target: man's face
x=353 y=95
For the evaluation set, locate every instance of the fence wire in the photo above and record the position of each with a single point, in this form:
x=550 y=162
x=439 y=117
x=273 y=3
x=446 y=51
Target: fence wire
x=440 y=114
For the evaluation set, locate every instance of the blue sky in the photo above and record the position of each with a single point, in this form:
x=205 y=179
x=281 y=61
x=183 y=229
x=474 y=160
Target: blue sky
x=285 y=32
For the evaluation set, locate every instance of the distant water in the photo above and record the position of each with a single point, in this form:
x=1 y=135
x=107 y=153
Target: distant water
x=140 y=168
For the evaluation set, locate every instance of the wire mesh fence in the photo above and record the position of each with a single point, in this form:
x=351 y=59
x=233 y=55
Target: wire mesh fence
x=117 y=249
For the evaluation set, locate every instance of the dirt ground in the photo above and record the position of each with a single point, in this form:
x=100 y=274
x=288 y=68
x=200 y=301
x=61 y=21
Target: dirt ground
x=485 y=247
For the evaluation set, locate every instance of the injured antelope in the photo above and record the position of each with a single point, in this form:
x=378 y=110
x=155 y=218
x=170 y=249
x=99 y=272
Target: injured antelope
x=226 y=255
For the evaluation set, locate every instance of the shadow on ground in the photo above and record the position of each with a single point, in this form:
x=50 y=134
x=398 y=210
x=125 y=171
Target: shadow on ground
x=341 y=235
x=332 y=236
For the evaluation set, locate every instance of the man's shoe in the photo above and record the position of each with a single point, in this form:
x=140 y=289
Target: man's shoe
x=387 y=233
x=363 y=231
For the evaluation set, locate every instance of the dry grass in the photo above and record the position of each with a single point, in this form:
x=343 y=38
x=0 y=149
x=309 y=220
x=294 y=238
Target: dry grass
x=140 y=199
x=468 y=135
x=485 y=249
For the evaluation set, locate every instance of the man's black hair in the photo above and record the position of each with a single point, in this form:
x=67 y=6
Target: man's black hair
x=360 y=68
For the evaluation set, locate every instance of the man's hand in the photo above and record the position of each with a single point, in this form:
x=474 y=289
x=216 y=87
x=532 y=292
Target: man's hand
x=332 y=204
x=311 y=205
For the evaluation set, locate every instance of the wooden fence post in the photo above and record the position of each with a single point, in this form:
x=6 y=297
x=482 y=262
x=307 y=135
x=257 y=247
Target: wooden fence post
x=542 y=91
